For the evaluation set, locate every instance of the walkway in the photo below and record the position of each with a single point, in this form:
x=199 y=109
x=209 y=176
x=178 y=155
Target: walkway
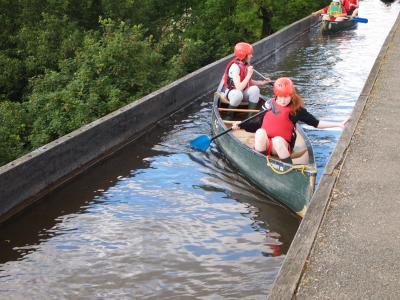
x=355 y=251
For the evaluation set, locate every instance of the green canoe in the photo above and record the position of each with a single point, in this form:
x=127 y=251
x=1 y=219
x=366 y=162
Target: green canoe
x=291 y=184
x=332 y=26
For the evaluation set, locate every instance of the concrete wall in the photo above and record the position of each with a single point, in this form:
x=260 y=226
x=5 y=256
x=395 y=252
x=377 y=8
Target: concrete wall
x=28 y=178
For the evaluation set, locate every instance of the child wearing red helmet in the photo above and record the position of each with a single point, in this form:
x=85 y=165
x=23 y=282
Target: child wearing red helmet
x=276 y=131
x=238 y=81
x=351 y=7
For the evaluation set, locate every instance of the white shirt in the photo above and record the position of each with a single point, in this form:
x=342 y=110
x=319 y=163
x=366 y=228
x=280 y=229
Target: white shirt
x=233 y=69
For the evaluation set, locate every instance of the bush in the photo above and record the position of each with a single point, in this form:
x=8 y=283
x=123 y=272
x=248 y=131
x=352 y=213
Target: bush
x=12 y=78
x=12 y=131
x=106 y=74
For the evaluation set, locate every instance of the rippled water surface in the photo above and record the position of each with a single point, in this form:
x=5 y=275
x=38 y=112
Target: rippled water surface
x=159 y=220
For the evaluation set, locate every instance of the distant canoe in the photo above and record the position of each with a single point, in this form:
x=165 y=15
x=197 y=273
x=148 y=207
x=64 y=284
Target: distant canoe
x=333 y=26
x=291 y=184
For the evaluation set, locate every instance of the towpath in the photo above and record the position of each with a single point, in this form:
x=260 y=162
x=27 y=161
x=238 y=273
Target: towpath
x=353 y=251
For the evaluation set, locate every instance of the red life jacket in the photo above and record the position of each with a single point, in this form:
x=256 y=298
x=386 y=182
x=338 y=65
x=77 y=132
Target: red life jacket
x=346 y=4
x=228 y=81
x=279 y=123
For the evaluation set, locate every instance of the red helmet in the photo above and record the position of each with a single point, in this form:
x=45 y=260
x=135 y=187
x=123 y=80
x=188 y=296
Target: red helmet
x=283 y=87
x=242 y=50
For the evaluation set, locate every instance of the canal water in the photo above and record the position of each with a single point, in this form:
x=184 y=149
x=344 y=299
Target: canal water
x=160 y=220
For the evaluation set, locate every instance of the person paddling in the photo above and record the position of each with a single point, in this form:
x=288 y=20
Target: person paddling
x=351 y=7
x=238 y=82
x=276 y=131
x=334 y=12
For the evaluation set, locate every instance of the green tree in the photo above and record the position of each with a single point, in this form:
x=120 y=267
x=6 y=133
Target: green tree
x=13 y=131
x=276 y=14
x=52 y=39
x=106 y=74
x=12 y=78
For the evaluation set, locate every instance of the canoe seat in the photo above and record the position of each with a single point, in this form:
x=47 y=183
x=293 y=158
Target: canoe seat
x=243 y=110
x=223 y=99
x=228 y=123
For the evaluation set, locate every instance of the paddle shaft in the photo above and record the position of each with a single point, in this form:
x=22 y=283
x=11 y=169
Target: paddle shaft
x=271 y=81
x=260 y=74
x=355 y=19
x=244 y=121
x=360 y=20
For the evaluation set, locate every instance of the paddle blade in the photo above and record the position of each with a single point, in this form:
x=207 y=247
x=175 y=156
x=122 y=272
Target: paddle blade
x=201 y=143
x=360 y=20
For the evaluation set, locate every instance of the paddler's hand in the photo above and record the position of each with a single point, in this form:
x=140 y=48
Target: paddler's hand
x=266 y=81
x=235 y=126
x=266 y=106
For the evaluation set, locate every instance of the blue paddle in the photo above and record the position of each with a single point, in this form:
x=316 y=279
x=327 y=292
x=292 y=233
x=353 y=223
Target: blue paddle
x=359 y=20
x=355 y=19
x=203 y=142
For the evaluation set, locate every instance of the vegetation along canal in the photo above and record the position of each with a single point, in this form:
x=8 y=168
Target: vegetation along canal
x=161 y=220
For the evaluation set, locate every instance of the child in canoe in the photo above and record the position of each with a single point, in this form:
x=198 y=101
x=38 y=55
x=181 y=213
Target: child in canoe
x=238 y=82
x=334 y=12
x=351 y=7
x=276 y=131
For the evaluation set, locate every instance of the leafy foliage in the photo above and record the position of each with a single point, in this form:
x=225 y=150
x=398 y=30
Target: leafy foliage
x=106 y=74
x=13 y=131
x=65 y=63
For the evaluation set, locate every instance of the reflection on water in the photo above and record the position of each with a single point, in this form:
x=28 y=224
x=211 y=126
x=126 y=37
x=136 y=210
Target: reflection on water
x=159 y=220
x=156 y=220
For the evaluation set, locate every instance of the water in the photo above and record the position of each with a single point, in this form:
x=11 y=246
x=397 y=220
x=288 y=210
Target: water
x=159 y=220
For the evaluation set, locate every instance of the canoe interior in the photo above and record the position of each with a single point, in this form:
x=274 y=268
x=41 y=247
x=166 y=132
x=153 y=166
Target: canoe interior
x=291 y=184
x=301 y=153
